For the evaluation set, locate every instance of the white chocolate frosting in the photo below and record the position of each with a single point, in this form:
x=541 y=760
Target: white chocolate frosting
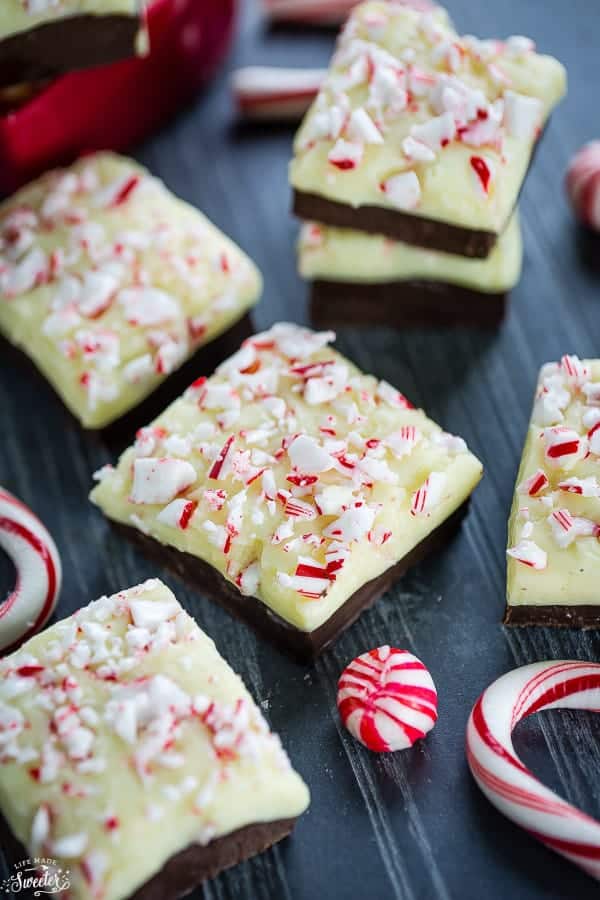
x=554 y=527
x=415 y=118
x=296 y=476
x=340 y=254
x=109 y=283
x=125 y=737
x=21 y=15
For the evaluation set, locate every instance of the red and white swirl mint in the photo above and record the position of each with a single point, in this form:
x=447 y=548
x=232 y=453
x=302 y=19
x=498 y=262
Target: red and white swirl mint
x=583 y=184
x=387 y=699
x=35 y=557
x=507 y=782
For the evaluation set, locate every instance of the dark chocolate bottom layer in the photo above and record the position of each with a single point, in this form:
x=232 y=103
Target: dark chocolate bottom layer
x=402 y=304
x=397 y=225
x=303 y=645
x=586 y=616
x=206 y=358
x=65 y=44
x=195 y=864
x=190 y=867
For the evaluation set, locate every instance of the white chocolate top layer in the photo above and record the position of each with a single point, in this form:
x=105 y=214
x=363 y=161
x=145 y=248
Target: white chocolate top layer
x=554 y=527
x=21 y=15
x=125 y=737
x=339 y=254
x=415 y=118
x=296 y=476
x=109 y=283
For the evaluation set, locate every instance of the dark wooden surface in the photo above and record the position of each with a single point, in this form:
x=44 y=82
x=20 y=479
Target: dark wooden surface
x=411 y=826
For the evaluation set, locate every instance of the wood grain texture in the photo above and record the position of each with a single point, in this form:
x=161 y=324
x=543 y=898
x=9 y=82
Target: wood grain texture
x=412 y=826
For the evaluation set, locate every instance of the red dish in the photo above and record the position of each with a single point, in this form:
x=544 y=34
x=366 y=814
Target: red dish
x=113 y=107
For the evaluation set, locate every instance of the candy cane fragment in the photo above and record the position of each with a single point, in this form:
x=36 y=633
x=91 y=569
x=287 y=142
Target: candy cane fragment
x=271 y=93
x=323 y=12
x=35 y=557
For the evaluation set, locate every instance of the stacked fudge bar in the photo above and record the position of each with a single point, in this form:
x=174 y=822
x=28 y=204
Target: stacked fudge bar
x=109 y=284
x=133 y=757
x=44 y=38
x=408 y=166
x=290 y=487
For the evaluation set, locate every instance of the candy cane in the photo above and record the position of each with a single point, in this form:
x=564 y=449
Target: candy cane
x=507 y=782
x=323 y=12
x=267 y=92
x=33 y=552
x=387 y=699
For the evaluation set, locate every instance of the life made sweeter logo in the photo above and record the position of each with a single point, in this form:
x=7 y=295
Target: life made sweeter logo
x=36 y=877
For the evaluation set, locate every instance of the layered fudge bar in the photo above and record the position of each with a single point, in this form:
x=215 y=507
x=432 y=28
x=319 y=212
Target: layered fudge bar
x=360 y=278
x=290 y=487
x=133 y=756
x=554 y=527
x=421 y=135
x=44 y=38
x=109 y=283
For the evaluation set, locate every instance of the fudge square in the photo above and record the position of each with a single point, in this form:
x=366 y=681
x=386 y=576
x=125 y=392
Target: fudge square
x=133 y=755
x=554 y=528
x=366 y=278
x=420 y=134
x=290 y=487
x=109 y=283
x=44 y=38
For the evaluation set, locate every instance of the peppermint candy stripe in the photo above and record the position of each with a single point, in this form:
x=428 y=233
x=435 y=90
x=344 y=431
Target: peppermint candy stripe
x=309 y=12
x=507 y=782
x=323 y=12
x=583 y=184
x=387 y=699
x=35 y=557
x=271 y=93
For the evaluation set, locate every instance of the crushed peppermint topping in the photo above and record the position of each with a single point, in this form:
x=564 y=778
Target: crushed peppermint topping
x=311 y=466
x=127 y=274
x=561 y=488
x=402 y=190
x=106 y=678
x=529 y=554
x=437 y=91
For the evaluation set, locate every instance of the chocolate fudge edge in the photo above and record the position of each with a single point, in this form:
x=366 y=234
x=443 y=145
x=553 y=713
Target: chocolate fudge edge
x=67 y=44
x=203 y=361
x=584 y=616
x=430 y=234
x=191 y=866
x=400 y=304
x=304 y=646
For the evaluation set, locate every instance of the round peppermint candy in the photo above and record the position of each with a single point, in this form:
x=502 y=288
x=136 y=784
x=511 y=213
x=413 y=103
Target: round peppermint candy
x=387 y=699
x=583 y=184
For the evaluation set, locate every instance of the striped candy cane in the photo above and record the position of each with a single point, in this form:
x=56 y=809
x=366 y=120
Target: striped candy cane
x=35 y=557
x=507 y=782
